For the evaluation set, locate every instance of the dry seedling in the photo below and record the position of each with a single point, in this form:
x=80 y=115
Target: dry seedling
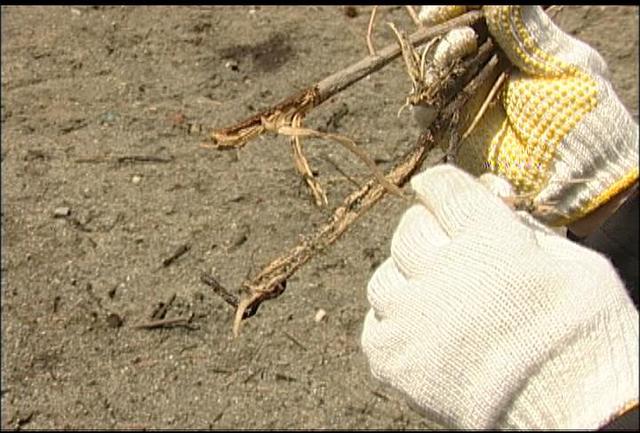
x=443 y=86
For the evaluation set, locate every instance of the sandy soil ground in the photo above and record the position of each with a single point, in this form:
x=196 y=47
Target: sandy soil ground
x=84 y=86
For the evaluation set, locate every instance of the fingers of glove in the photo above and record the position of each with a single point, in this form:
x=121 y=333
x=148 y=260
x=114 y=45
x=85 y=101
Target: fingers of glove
x=386 y=290
x=381 y=344
x=458 y=201
x=377 y=335
x=536 y=45
x=416 y=241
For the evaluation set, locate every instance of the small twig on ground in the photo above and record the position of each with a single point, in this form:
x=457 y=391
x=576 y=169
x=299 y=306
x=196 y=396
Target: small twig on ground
x=251 y=375
x=23 y=420
x=229 y=298
x=127 y=159
x=295 y=340
x=182 y=250
x=165 y=323
x=144 y=158
x=160 y=311
x=219 y=290
x=341 y=171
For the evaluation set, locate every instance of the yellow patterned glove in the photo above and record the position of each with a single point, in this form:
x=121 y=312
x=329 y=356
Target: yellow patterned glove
x=558 y=133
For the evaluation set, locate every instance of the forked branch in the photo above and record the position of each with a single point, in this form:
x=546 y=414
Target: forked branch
x=271 y=281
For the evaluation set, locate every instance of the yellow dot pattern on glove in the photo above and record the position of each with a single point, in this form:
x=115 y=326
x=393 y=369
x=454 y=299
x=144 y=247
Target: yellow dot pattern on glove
x=542 y=106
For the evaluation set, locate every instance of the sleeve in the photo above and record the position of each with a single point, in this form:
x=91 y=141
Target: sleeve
x=617 y=238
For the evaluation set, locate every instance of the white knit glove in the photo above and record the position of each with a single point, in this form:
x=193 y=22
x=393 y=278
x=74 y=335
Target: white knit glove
x=486 y=321
x=559 y=133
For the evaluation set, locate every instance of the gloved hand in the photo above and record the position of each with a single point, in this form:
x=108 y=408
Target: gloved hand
x=488 y=320
x=559 y=134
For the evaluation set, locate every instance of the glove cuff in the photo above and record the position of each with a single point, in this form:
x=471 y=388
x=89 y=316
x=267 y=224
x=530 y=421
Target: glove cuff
x=586 y=176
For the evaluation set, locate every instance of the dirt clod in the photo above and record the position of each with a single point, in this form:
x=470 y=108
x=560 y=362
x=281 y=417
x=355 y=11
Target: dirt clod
x=114 y=320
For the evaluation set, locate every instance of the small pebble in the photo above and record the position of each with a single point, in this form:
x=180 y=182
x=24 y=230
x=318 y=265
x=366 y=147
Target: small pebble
x=61 y=212
x=136 y=179
x=231 y=64
x=320 y=314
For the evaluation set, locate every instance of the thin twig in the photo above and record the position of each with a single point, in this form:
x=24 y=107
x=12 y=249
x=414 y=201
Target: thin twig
x=485 y=104
x=342 y=172
x=210 y=281
x=413 y=15
x=161 y=310
x=346 y=142
x=238 y=135
x=372 y=50
x=126 y=158
x=295 y=340
x=182 y=250
x=302 y=165
x=144 y=158
x=175 y=321
x=219 y=290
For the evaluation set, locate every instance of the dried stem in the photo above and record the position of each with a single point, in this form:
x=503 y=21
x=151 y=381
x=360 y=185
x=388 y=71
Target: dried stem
x=175 y=321
x=271 y=281
x=238 y=135
x=302 y=165
x=413 y=15
x=297 y=132
x=372 y=50
x=485 y=105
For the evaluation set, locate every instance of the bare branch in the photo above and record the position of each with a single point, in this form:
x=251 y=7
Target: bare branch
x=239 y=134
x=271 y=281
